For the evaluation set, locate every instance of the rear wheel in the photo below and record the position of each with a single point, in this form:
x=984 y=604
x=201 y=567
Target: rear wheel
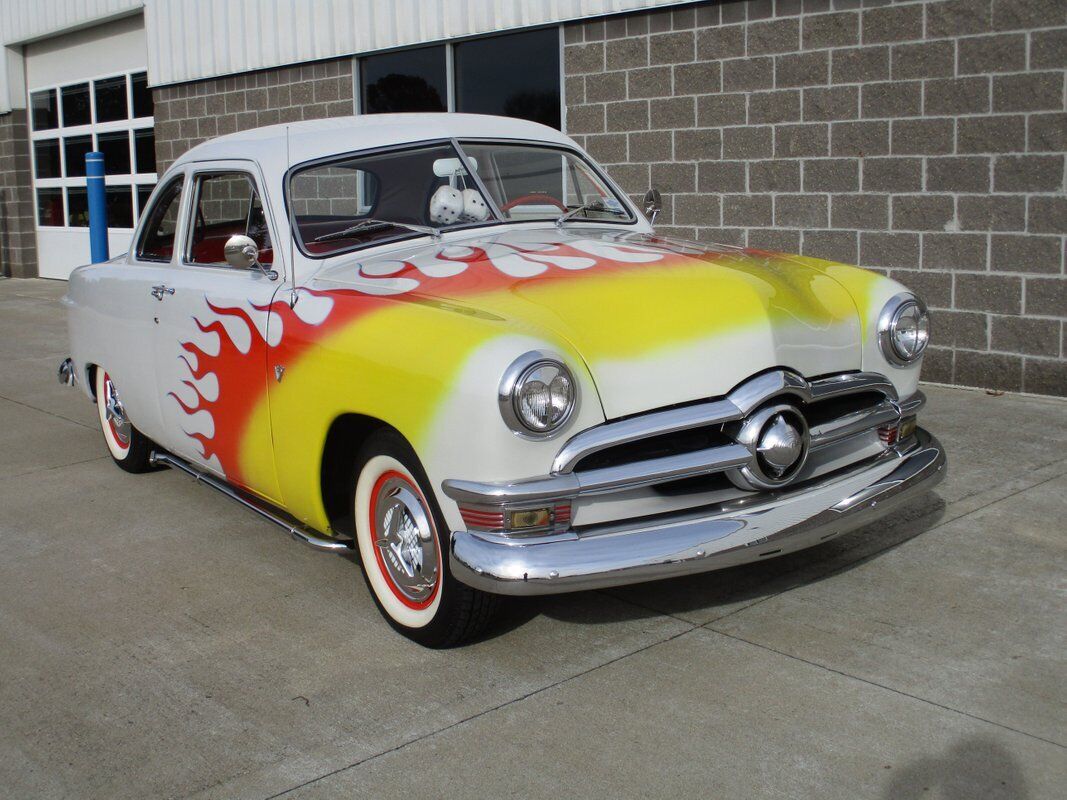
x=403 y=544
x=128 y=446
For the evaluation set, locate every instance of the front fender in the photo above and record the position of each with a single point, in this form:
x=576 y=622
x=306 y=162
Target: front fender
x=429 y=370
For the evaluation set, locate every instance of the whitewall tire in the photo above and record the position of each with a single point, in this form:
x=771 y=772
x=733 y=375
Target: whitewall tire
x=403 y=545
x=129 y=448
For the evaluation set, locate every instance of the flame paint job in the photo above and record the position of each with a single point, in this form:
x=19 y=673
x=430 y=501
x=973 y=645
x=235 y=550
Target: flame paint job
x=646 y=321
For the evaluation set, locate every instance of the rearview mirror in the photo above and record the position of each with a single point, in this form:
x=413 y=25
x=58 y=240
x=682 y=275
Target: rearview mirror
x=242 y=252
x=653 y=205
x=447 y=167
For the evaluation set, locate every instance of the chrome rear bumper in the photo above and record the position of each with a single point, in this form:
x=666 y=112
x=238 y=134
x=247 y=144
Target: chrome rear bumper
x=595 y=557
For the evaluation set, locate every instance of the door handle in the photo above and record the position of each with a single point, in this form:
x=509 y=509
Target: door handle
x=159 y=291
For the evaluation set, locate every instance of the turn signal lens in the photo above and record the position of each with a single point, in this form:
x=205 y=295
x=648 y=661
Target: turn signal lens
x=530 y=518
x=907 y=428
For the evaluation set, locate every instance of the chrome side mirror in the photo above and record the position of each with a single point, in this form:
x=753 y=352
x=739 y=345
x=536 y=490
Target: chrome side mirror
x=242 y=252
x=653 y=205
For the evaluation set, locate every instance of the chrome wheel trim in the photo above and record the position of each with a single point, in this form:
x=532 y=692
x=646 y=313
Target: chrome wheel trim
x=404 y=537
x=115 y=414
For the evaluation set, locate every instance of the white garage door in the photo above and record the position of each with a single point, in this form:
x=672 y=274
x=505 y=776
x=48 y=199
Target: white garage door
x=88 y=91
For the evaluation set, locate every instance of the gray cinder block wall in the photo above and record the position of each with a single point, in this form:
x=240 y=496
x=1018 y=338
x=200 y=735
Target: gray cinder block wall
x=189 y=113
x=18 y=239
x=922 y=139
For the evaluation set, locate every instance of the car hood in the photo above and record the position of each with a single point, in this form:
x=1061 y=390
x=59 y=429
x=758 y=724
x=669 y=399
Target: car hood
x=656 y=321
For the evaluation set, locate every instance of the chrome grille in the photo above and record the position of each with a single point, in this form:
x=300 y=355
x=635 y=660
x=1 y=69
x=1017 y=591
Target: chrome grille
x=690 y=449
x=696 y=437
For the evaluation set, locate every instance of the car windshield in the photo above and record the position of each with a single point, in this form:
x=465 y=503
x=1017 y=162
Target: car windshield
x=366 y=199
x=360 y=200
x=535 y=182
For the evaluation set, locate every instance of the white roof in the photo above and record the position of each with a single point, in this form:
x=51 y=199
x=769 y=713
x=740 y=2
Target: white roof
x=277 y=147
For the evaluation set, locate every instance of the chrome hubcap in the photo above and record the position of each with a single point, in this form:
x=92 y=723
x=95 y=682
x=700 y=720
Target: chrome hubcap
x=406 y=540
x=115 y=413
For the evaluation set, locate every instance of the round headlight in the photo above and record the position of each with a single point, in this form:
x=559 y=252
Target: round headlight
x=537 y=395
x=903 y=329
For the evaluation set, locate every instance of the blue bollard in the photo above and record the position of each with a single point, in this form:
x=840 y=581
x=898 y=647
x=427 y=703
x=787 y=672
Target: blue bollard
x=94 y=170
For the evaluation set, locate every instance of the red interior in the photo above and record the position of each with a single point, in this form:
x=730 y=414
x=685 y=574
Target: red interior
x=208 y=248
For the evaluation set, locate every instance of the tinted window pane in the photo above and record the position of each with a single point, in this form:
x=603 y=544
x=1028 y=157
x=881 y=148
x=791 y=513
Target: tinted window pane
x=119 y=206
x=116 y=150
x=110 y=99
x=44 y=110
x=144 y=142
x=46 y=158
x=143 y=193
x=77 y=208
x=49 y=206
x=489 y=82
x=75 y=148
x=76 y=110
x=407 y=80
x=157 y=240
x=142 y=95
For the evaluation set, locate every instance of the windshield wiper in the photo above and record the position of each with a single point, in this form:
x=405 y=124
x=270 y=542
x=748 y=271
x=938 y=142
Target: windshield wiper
x=372 y=224
x=597 y=205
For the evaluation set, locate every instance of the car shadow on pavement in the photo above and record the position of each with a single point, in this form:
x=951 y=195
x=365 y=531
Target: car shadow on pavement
x=977 y=766
x=711 y=595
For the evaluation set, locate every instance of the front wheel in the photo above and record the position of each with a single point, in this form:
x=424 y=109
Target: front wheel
x=128 y=446
x=403 y=544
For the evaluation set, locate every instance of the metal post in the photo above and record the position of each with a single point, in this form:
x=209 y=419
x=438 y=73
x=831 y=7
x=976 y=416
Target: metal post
x=94 y=171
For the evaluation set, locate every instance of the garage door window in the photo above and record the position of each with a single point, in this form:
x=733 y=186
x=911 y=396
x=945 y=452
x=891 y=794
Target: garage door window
x=111 y=114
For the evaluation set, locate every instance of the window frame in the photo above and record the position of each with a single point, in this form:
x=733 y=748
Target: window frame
x=400 y=236
x=92 y=129
x=592 y=166
x=196 y=177
x=494 y=220
x=141 y=231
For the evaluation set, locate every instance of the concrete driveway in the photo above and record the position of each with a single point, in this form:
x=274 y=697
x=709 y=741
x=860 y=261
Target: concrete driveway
x=158 y=641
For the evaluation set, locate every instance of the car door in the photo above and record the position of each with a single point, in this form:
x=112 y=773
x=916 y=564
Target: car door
x=215 y=324
x=131 y=307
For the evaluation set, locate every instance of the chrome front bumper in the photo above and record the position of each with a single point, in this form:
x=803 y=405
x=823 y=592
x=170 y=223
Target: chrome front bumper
x=737 y=532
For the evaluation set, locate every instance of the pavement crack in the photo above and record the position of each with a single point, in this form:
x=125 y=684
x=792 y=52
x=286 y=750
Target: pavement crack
x=483 y=712
x=46 y=411
x=39 y=470
x=878 y=685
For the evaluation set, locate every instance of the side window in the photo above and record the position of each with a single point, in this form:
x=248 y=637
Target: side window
x=227 y=204
x=157 y=238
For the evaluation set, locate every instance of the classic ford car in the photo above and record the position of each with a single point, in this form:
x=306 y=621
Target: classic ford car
x=450 y=344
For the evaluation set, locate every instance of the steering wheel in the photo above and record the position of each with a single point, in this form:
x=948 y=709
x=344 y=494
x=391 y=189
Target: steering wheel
x=527 y=199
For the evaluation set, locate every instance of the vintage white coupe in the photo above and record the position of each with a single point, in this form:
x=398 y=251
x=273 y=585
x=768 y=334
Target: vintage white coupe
x=451 y=344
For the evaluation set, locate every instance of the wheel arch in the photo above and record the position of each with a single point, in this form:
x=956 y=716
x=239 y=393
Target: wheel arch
x=344 y=439
x=90 y=374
